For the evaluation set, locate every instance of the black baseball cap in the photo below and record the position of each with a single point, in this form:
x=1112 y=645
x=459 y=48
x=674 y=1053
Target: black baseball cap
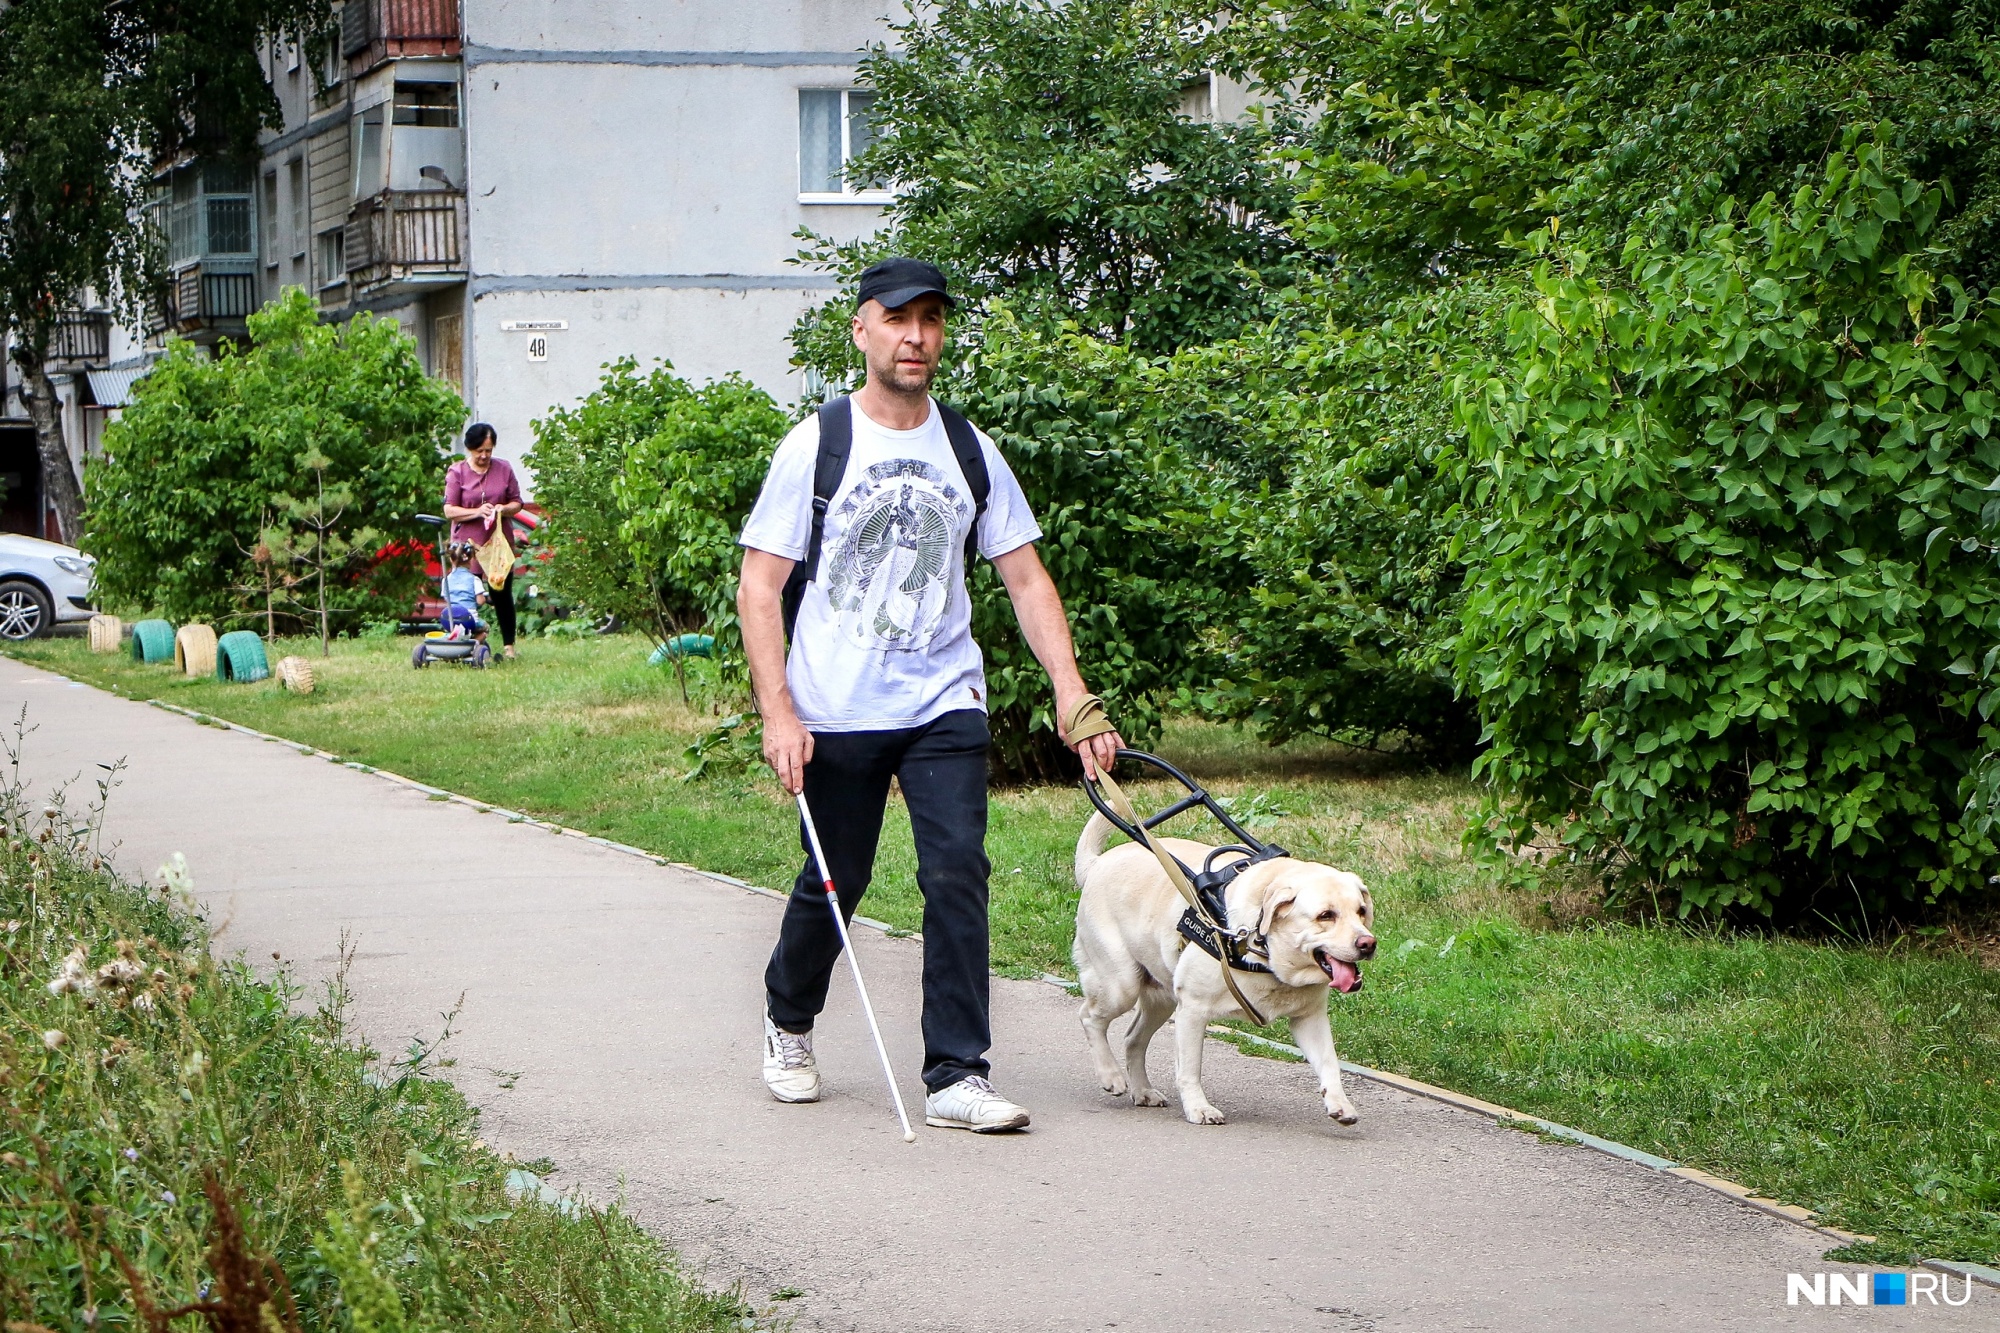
x=897 y=282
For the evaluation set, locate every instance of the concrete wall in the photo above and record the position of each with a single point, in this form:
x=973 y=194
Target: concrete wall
x=634 y=172
x=679 y=25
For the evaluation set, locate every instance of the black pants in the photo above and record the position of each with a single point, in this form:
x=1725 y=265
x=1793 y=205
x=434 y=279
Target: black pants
x=941 y=767
x=501 y=598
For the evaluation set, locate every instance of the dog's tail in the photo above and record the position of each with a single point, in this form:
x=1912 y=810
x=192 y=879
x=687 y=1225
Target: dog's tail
x=1090 y=845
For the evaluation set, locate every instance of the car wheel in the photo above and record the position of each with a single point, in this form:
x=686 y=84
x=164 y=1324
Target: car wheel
x=25 y=612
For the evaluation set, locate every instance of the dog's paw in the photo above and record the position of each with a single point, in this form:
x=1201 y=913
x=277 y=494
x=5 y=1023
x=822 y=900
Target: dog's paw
x=1203 y=1114
x=1149 y=1097
x=1113 y=1084
x=1342 y=1113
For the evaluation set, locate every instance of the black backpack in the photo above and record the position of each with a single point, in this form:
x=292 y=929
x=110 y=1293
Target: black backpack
x=836 y=439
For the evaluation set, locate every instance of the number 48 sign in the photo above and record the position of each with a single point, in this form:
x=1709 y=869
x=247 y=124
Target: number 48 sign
x=538 y=331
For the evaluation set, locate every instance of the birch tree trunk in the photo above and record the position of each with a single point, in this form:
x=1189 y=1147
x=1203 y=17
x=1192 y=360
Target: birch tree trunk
x=60 y=488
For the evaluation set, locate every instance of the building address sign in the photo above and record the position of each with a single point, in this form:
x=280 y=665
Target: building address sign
x=537 y=331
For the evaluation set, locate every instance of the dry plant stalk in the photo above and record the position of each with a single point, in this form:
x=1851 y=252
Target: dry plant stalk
x=250 y=1293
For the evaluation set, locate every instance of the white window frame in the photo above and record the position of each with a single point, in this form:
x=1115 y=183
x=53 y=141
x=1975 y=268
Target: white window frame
x=336 y=64
x=334 y=239
x=871 y=198
x=299 y=190
x=382 y=111
x=267 y=217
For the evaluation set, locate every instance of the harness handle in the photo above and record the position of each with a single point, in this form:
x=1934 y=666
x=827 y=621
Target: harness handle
x=1088 y=719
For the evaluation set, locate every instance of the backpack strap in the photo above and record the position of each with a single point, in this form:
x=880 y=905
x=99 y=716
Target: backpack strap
x=971 y=462
x=836 y=440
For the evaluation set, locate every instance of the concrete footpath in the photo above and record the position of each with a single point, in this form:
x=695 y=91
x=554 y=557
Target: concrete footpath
x=626 y=997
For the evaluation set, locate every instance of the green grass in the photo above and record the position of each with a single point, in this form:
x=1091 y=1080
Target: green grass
x=182 y=1131
x=1856 y=1081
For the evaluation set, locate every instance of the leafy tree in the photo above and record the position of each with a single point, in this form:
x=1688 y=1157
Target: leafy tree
x=1040 y=153
x=1082 y=424
x=1445 y=142
x=1729 y=590
x=1706 y=99
x=92 y=97
x=210 y=446
x=1444 y=145
x=1442 y=140
x=311 y=532
x=64 y=218
x=1329 y=459
x=645 y=485
x=578 y=456
x=683 y=496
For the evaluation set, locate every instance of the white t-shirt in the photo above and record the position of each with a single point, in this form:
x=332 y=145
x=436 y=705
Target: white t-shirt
x=884 y=635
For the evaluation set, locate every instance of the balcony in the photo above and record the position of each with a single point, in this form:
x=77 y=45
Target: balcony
x=401 y=240
x=214 y=296
x=81 y=339
x=372 y=31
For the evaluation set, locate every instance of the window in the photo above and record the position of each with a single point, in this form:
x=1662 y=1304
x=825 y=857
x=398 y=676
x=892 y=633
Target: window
x=329 y=75
x=332 y=257
x=836 y=125
x=229 y=226
x=368 y=162
x=225 y=188
x=1198 y=98
x=270 y=202
x=209 y=210
x=432 y=105
x=292 y=57
x=295 y=184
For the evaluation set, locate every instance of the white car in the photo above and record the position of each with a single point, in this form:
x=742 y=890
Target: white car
x=42 y=585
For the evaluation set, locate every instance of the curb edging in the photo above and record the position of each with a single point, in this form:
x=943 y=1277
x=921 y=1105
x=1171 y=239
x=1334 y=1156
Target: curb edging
x=1507 y=1116
x=1981 y=1273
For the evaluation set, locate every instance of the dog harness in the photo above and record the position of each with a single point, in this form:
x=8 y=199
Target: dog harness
x=1205 y=922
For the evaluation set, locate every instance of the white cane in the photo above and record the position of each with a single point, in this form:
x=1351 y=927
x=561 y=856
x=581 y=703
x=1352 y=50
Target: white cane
x=847 y=947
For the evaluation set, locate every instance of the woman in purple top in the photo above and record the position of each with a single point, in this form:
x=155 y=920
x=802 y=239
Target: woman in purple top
x=480 y=492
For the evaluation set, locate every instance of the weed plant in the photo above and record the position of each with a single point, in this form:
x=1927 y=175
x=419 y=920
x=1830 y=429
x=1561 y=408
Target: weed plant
x=183 y=1146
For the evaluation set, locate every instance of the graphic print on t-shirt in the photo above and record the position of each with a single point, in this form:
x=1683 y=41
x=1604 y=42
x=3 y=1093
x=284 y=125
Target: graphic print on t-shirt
x=887 y=580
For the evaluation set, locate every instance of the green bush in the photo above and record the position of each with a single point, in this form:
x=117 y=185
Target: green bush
x=1330 y=458
x=1080 y=423
x=1724 y=605
x=683 y=497
x=578 y=455
x=1437 y=146
x=196 y=469
x=645 y=485
x=172 y=1129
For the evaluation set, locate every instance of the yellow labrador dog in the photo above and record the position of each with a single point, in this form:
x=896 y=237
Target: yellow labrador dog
x=1130 y=955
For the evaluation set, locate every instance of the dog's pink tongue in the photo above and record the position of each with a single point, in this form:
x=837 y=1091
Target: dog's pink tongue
x=1346 y=976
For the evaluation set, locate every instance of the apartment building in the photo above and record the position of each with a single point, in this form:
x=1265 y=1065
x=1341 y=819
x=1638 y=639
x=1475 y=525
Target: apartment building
x=533 y=188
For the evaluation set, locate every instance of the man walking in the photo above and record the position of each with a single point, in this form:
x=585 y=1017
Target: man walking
x=871 y=510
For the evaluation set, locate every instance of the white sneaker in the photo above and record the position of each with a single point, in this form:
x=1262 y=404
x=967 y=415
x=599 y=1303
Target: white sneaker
x=790 y=1071
x=972 y=1104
